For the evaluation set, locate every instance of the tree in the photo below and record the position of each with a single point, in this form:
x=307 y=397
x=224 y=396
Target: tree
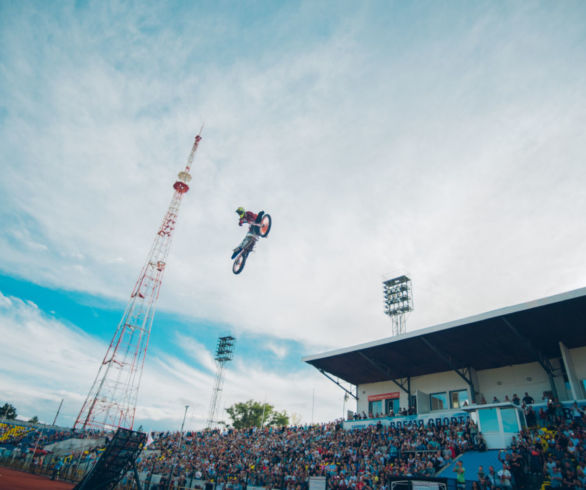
x=34 y=420
x=279 y=419
x=7 y=411
x=256 y=414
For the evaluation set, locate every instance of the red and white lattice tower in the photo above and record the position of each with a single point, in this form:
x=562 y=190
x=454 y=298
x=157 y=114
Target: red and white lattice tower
x=111 y=401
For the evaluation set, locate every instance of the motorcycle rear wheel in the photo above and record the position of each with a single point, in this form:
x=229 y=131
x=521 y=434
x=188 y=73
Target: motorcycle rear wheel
x=265 y=225
x=238 y=264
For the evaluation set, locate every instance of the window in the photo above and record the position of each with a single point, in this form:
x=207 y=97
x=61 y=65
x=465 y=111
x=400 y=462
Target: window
x=375 y=408
x=391 y=403
x=458 y=397
x=438 y=401
x=488 y=420
x=509 y=419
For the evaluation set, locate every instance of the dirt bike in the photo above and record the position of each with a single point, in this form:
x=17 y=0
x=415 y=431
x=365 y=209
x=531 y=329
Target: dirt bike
x=255 y=231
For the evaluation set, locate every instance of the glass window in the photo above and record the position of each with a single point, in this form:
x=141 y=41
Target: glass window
x=375 y=408
x=488 y=420
x=392 y=403
x=457 y=398
x=509 y=418
x=438 y=401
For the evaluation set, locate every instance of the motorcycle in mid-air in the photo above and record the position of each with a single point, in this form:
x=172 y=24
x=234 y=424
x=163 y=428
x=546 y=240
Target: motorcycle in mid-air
x=256 y=230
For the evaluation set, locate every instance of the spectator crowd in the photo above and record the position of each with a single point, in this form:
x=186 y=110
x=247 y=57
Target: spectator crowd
x=286 y=457
x=552 y=449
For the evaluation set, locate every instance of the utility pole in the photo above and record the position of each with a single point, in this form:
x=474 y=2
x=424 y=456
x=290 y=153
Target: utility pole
x=58 y=410
x=178 y=449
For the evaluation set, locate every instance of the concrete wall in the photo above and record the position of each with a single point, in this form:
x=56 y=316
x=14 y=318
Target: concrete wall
x=431 y=383
x=518 y=379
x=499 y=382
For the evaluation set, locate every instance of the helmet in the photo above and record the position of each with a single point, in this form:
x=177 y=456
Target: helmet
x=240 y=211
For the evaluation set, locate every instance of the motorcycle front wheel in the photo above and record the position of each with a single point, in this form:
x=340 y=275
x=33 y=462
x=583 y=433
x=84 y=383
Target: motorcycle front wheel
x=265 y=225
x=239 y=263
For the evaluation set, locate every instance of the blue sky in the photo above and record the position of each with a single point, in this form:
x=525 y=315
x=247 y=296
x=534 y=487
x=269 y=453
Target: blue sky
x=443 y=140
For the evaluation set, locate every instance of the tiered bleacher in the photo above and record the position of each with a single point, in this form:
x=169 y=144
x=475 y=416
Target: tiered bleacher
x=551 y=451
x=287 y=457
x=13 y=434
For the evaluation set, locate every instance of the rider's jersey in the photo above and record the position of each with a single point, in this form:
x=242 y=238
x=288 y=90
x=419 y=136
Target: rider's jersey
x=249 y=217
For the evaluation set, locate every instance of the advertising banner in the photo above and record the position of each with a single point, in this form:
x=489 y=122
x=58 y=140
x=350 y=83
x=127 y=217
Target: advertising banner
x=411 y=421
x=384 y=396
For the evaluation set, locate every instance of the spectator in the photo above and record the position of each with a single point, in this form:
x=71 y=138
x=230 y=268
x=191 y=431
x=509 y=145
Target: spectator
x=460 y=478
x=577 y=412
x=491 y=478
x=528 y=400
x=504 y=477
x=480 y=442
x=555 y=477
x=530 y=416
x=482 y=478
x=516 y=399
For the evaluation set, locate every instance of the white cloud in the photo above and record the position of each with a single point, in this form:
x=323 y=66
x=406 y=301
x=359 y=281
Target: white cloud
x=44 y=361
x=5 y=302
x=451 y=149
x=279 y=350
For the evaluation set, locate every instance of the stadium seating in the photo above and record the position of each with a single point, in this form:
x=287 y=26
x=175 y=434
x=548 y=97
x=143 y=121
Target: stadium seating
x=553 y=451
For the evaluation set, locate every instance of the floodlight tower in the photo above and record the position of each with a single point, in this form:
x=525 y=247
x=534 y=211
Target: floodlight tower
x=398 y=301
x=111 y=401
x=224 y=354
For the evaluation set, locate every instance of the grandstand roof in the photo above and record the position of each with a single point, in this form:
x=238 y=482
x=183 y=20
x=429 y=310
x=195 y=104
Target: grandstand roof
x=512 y=335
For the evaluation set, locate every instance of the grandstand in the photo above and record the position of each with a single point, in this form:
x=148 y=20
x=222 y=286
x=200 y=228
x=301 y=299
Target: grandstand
x=11 y=433
x=537 y=347
x=446 y=373
x=422 y=416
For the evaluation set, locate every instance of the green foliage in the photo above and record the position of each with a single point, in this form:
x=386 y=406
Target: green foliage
x=279 y=419
x=8 y=411
x=34 y=420
x=256 y=414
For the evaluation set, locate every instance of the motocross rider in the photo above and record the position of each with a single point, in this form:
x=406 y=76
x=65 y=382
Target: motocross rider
x=253 y=220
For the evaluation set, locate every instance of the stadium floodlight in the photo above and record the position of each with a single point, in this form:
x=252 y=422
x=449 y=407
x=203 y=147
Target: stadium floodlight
x=398 y=301
x=224 y=354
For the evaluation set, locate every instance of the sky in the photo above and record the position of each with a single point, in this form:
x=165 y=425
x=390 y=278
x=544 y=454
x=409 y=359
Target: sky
x=443 y=140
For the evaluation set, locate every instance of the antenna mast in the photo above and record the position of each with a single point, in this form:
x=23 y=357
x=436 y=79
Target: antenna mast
x=111 y=401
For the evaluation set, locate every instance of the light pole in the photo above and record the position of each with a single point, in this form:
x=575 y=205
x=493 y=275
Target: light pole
x=398 y=301
x=178 y=449
x=183 y=423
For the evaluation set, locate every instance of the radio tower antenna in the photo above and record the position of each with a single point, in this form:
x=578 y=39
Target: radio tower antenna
x=111 y=401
